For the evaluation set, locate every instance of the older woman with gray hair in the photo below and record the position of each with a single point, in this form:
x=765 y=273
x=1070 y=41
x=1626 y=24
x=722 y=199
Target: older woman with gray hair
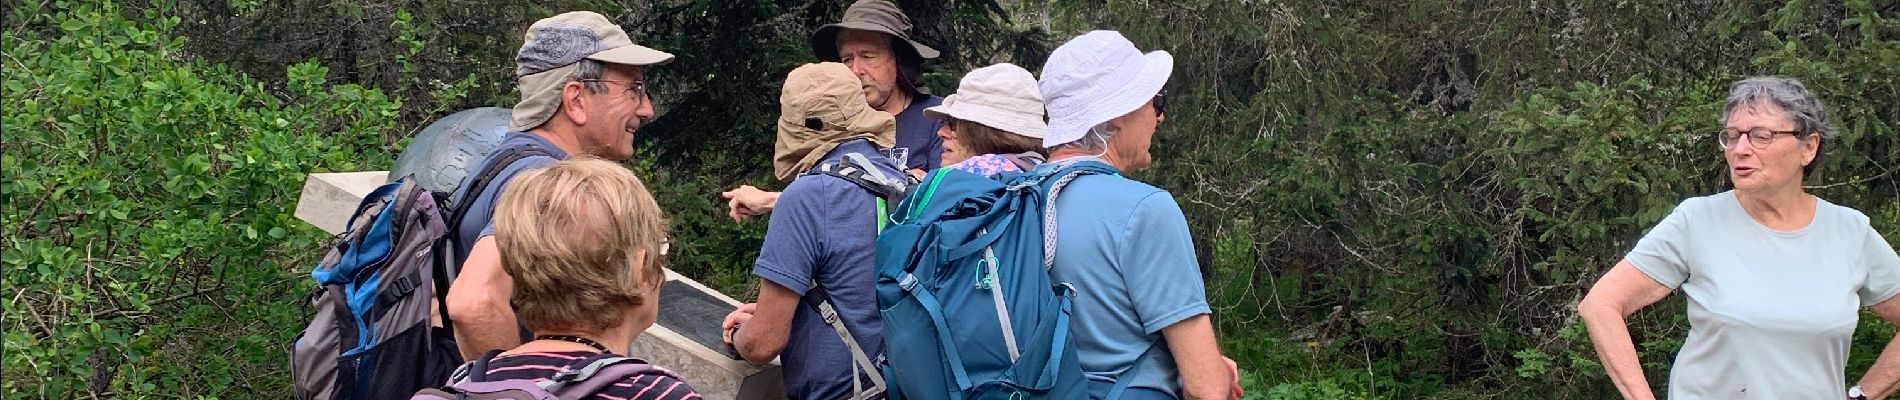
x=1775 y=277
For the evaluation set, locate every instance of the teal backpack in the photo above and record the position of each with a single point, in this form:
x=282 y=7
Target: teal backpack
x=964 y=290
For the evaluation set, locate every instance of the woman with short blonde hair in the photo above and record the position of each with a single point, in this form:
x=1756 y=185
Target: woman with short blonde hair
x=584 y=242
x=568 y=234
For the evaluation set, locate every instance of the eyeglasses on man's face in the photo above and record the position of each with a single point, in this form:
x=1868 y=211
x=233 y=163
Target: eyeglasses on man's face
x=637 y=90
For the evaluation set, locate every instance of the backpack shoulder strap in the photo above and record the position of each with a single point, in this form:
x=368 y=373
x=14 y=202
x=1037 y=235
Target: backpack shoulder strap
x=861 y=362
x=474 y=371
x=859 y=170
x=1026 y=161
x=1056 y=181
x=1127 y=376
x=459 y=207
x=594 y=374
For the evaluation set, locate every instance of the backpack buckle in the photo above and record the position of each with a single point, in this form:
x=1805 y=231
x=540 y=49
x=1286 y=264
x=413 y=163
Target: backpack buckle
x=828 y=313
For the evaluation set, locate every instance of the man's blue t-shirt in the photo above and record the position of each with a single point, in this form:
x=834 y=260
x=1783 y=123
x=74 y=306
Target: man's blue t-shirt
x=918 y=134
x=1124 y=245
x=824 y=228
x=479 y=221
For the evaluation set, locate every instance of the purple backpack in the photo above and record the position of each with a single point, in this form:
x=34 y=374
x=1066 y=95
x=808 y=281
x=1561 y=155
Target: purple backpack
x=579 y=380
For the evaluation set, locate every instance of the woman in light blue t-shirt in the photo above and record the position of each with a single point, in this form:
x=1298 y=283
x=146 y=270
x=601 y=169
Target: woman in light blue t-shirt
x=1775 y=277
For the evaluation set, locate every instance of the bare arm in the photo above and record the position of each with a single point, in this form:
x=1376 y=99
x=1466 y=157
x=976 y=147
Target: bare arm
x=478 y=303
x=1618 y=294
x=1204 y=373
x=767 y=324
x=1880 y=380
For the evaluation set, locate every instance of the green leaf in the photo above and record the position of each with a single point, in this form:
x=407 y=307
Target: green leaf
x=72 y=25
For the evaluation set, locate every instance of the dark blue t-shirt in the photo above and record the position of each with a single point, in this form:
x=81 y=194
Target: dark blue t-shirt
x=824 y=228
x=918 y=134
x=479 y=221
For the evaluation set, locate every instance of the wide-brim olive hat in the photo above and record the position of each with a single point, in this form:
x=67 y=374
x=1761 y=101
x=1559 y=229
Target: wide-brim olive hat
x=867 y=15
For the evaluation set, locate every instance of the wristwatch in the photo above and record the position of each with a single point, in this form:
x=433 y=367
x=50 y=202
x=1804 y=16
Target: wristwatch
x=1855 y=393
x=731 y=351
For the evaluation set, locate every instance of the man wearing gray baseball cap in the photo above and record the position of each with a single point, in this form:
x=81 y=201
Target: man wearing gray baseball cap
x=583 y=94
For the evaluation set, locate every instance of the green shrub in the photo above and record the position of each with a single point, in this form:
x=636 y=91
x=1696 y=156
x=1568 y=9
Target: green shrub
x=150 y=248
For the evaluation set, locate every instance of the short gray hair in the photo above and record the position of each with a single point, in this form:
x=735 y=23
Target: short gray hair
x=1095 y=141
x=1792 y=97
x=589 y=72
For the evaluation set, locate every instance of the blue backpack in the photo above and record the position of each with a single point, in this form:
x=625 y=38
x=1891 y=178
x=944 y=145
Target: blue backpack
x=367 y=334
x=964 y=290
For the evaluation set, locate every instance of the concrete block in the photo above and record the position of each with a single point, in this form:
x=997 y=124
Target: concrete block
x=329 y=198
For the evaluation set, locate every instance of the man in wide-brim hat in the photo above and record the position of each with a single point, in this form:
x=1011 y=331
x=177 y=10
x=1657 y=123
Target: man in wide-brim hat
x=874 y=41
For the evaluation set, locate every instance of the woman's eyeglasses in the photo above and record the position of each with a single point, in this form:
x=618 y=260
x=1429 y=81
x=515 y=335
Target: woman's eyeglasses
x=1758 y=137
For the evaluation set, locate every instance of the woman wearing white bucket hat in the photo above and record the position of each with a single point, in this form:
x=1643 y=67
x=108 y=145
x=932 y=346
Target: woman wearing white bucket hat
x=994 y=122
x=1141 y=311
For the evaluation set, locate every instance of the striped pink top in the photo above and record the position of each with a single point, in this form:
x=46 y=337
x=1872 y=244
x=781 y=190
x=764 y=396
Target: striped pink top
x=541 y=366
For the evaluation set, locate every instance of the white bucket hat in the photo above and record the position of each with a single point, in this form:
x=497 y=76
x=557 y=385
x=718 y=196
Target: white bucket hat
x=1097 y=77
x=1002 y=96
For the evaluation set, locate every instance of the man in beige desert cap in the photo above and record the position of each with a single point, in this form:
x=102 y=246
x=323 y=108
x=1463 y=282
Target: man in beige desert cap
x=583 y=94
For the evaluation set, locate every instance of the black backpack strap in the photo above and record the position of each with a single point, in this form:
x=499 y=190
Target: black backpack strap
x=444 y=256
x=458 y=208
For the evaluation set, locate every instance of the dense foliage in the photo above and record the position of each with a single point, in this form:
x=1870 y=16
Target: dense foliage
x=1390 y=200
x=149 y=235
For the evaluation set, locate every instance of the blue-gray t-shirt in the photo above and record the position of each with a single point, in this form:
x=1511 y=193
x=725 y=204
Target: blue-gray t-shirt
x=1771 y=313
x=825 y=229
x=479 y=221
x=1125 y=247
x=918 y=134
